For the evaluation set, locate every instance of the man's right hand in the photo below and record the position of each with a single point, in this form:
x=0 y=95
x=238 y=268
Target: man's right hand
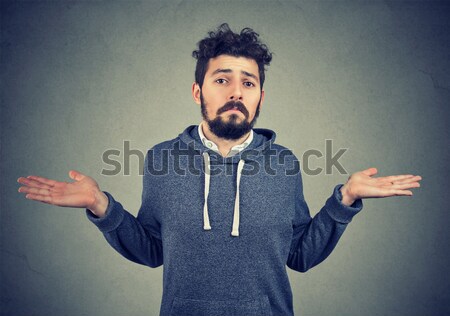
x=84 y=192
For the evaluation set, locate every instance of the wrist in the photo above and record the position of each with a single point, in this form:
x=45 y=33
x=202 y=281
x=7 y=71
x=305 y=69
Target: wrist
x=100 y=205
x=347 y=198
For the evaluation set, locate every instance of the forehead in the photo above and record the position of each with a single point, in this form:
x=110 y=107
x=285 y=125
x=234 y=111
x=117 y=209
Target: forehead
x=236 y=64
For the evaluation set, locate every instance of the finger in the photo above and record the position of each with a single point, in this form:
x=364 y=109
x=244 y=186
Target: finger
x=395 y=178
x=409 y=180
x=33 y=183
x=43 y=180
x=405 y=186
x=38 y=197
x=39 y=191
x=394 y=192
x=53 y=199
x=370 y=172
x=75 y=175
x=403 y=192
x=413 y=182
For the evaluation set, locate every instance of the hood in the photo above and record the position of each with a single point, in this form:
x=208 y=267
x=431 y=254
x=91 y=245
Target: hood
x=262 y=141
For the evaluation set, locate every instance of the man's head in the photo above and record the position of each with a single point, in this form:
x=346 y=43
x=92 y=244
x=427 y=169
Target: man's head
x=226 y=42
x=228 y=80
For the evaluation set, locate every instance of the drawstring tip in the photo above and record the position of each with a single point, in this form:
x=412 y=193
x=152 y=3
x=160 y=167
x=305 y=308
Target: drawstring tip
x=206 y=227
x=235 y=233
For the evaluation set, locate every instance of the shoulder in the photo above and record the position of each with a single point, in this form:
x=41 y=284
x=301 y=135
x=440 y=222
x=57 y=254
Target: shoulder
x=168 y=144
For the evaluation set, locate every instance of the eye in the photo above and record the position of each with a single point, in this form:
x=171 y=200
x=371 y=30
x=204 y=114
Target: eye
x=221 y=81
x=249 y=84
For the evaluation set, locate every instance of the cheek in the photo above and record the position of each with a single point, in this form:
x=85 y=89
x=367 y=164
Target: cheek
x=214 y=100
x=254 y=103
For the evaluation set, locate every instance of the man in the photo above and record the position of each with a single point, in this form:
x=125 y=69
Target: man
x=222 y=204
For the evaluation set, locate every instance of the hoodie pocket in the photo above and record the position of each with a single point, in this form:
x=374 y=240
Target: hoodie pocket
x=190 y=307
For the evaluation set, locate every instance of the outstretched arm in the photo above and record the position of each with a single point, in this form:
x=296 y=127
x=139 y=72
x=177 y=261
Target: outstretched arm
x=314 y=239
x=362 y=185
x=122 y=230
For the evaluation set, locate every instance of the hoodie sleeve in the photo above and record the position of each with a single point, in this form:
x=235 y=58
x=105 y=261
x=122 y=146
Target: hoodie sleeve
x=133 y=238
x=315 y=238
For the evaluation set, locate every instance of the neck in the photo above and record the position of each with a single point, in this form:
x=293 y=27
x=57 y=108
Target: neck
x=224 y=145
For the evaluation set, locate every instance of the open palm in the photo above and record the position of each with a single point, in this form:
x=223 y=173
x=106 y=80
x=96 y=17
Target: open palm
x=84 y=192
x=363 y=184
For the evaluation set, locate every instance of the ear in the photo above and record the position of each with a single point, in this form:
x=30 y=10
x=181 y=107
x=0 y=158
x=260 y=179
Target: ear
x=196 y=93
x=262 y=99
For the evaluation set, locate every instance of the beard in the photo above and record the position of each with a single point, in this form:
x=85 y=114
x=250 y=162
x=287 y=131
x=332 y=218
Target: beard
x=231 y=129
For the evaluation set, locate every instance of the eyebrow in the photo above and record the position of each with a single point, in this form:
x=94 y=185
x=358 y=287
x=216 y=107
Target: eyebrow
x=248 y=74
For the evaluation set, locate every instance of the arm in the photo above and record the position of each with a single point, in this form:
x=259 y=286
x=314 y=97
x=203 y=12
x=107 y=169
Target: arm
x=314 y=239
x=128 y=235
x=121 y=229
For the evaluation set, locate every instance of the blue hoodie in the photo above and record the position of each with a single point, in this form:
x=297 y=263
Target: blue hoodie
x=224 y=228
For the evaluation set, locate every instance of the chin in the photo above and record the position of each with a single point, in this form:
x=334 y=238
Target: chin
x=234 y=117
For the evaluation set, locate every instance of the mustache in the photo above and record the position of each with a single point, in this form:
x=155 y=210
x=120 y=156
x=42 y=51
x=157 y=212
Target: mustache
x=233 y=105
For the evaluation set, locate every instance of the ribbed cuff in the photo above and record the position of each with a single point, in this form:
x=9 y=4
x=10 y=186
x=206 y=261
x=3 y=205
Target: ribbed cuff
x=340 y=212
x=113 y=216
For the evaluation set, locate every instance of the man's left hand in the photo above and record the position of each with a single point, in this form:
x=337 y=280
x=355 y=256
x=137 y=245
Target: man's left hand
x=362 y=184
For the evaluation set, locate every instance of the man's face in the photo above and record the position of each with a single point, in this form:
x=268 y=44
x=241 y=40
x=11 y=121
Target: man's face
x=231 y=96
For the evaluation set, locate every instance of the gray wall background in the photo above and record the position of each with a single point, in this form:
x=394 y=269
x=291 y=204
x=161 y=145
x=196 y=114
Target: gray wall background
x=79 y=78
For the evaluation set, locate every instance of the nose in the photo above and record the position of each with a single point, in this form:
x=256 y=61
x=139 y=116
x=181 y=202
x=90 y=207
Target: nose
x=236 y=92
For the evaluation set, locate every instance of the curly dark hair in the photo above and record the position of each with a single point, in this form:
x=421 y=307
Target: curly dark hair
x=226 y=42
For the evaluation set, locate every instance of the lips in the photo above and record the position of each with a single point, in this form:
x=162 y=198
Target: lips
x=233 y=107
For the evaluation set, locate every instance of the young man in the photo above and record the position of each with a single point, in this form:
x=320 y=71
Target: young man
x=222 y=204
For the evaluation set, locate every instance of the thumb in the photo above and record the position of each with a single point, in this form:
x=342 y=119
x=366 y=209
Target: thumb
x=75 y=175
x=370 y=172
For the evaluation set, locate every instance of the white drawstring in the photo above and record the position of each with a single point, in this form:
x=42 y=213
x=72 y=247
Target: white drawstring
x=235 y=230
x=206 y=224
